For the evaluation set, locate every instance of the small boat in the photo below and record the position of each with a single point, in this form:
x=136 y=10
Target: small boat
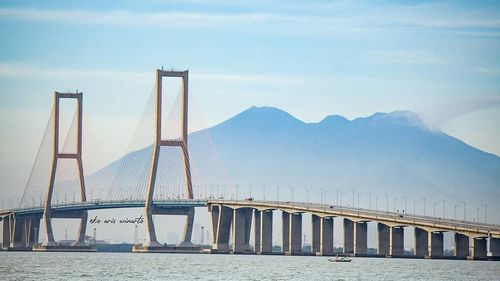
x=340 y=259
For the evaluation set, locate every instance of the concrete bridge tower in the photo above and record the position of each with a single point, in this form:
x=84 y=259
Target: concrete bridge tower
x=152 y=241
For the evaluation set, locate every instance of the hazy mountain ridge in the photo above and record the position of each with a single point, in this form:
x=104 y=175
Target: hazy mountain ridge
x=391 y=153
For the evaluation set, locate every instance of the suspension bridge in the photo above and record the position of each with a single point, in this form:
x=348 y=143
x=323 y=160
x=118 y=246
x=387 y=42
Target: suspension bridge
x=163 y=185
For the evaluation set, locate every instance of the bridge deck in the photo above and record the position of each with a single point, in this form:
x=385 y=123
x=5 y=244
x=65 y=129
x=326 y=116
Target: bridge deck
x=473 y=229
x=358 y=214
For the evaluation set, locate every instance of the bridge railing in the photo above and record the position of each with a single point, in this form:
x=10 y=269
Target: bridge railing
x=374 y=214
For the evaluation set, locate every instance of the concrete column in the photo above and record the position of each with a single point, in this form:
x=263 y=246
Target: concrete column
x=479 y=248
x=223 y=229
x=316 y=233
x=188 y=229
x=285 y=218
x=435 y=246
x=361 y=238
x=18 y=236
x=6 y=232
x=257 y=218
x=214 y=211
x=461 y=245
x=421 y=242
x=348 y=236
x=33 y=230
x=326 y=236
x=266 y=237
x=295 y=233
x=495 y=247
x=397 y=241
x=383 y=239
x=242 y=223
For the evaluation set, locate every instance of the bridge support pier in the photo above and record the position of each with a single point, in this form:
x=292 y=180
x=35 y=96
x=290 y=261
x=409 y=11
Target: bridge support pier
x=6 y=232
x=18 y=234
x=285 y=219
x=257 y=219
x=495 y=247
x=461 y=246
x=435 y=244
x=295 y=234
x=242 y=223
x=479 y=250
x=348 y=236
x=421 y=241
x=222 y=229
x=361 y=239
x=188 y=229
x=383 y=239
x=326 y=236
x=322 y=235
x=266 y=236
x=316 y=233
x=32 y=227
x=397 y=241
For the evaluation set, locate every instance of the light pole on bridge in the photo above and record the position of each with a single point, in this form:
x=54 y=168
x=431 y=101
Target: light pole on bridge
x=443 y=207
x=264 y=192
x=337 y=199
x=352 y=198
x=308 y=191
x=425 y=203
x=485 y=212
x=464 y=209
x=477 y=217
x=387 y=201
x=369 y=200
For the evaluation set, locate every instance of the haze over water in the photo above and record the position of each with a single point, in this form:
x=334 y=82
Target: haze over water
x=127 y=266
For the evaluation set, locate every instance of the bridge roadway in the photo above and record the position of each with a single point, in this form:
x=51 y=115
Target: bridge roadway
x=356 y=214
x=364 y=215
x=390 y=224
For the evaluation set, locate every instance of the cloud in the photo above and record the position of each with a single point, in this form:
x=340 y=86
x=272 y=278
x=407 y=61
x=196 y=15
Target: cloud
x=438 y=116
x=406 y=57
x=20 y=71
x=490 y=71
x=338 y=18
x=120 y=17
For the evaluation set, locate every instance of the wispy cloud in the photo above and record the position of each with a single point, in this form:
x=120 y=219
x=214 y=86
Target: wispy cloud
x=439 y=115
x=392 y=16
x=406 y=57
x=487 y=70
x=20 y=71
x=120 y=17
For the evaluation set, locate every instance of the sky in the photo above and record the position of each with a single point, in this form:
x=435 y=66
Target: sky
x=440 y=59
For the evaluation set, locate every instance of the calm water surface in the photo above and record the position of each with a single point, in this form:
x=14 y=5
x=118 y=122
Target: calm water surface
x=128 y=266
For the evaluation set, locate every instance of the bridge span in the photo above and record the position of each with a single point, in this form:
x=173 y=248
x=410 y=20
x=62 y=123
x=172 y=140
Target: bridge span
x=233 y=220
x=470 y=238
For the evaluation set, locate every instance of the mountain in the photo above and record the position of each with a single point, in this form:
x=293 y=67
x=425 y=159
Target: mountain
x=393 y=153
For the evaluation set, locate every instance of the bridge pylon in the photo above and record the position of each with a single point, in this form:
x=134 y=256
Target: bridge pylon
x=182 y=142
x=48 y=214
